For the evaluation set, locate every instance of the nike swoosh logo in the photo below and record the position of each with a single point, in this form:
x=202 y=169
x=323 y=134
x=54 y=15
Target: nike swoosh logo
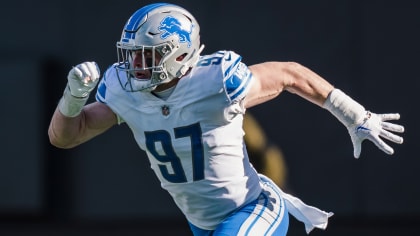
x=362 y=128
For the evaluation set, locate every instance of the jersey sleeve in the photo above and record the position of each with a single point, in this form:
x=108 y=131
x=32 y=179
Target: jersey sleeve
x=237 y=76
x=102 y=88
x=102 y=91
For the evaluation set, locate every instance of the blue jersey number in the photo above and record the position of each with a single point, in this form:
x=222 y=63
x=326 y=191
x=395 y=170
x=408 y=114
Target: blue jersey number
x=169 y=155
x=215 y=60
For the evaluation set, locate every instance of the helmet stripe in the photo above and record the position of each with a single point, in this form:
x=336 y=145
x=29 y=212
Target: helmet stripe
x=138 y=18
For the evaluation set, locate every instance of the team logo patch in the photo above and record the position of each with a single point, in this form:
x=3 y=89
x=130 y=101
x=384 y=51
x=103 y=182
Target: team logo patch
x=171 y=26
x=165 y=110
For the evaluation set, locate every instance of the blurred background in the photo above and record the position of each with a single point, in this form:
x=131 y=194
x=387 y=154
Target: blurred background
x=369 y=49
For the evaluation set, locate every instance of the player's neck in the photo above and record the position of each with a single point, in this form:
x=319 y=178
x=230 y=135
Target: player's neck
x=164 y=94
x=165 y=86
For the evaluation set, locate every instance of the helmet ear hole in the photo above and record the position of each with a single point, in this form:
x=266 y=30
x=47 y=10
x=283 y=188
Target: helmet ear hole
x=181 y=57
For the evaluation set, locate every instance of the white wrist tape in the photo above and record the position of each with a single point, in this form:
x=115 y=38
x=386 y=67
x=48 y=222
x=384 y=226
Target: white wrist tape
x=347 y=111
x=70 y=105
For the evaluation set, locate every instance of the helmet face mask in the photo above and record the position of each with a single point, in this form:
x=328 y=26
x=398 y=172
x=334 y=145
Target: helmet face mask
x=151 y=64
x=164 y=31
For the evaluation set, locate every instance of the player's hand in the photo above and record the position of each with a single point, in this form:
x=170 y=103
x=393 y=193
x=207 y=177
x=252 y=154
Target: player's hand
x=83 y=78
x=374 y=127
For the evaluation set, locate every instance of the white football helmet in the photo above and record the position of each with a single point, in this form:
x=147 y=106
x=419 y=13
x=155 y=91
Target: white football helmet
x=166 y=29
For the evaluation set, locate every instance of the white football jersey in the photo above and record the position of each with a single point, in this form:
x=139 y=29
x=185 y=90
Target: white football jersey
x=194 y=139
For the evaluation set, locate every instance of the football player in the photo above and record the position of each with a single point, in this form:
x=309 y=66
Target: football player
x=186 y=112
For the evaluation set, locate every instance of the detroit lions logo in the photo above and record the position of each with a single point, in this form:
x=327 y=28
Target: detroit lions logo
x=170 y=26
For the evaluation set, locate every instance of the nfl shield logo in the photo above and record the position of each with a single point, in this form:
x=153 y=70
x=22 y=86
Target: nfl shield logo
x=165 y=110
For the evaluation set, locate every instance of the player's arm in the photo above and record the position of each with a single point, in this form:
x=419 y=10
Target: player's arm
x=68 y=132
x=271 y=78
x=72 y=122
